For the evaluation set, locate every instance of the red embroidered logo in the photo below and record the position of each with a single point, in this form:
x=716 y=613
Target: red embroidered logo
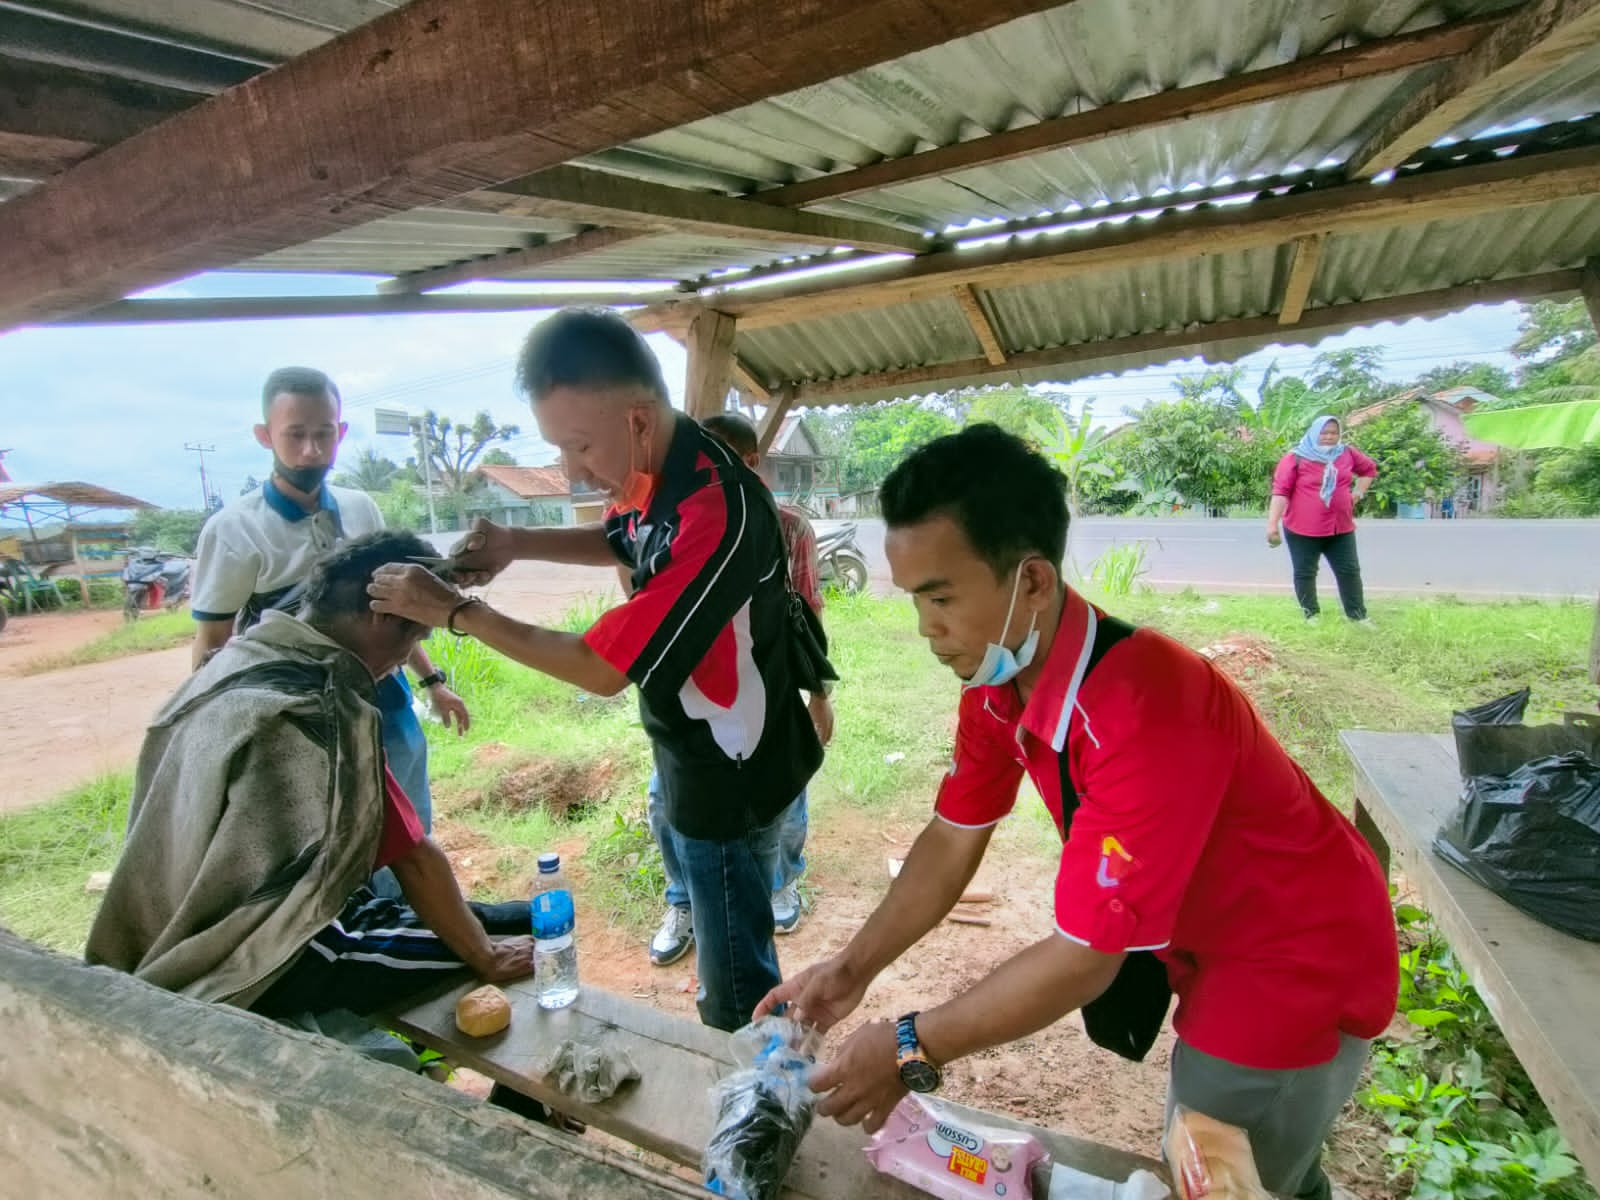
x=1115 y=864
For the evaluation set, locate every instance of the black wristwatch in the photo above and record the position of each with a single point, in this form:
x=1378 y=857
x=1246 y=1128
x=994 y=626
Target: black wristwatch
x=917 y=1071
x=428 y=681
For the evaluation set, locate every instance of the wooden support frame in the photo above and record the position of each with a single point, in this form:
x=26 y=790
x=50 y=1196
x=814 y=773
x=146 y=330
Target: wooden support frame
x=1304 y=257
x=1331 y=317
x=428 y=101
x=1454 y=193
x=710 y=346
x=1534 y=39
x=772 y=420
x=1330 y=68
x=982 y=327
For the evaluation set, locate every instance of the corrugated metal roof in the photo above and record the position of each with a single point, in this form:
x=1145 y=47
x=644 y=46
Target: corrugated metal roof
x=1080 y=56
x=1175 y=295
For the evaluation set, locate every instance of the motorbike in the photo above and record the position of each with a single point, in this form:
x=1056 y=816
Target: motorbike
x=153 y=579
x=840 y=563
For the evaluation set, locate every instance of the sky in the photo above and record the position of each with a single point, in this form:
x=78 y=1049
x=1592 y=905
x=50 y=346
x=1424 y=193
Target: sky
x=115 y=406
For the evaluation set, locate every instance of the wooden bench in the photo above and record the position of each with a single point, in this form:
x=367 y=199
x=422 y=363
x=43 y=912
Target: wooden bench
x=1542 y=986
x=668 y=1111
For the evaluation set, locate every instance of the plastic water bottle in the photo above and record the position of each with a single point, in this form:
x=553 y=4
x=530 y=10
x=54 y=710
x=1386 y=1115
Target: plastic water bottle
x=555 y=945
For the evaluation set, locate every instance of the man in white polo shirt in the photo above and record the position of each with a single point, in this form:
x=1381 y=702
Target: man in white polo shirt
x=257 y=553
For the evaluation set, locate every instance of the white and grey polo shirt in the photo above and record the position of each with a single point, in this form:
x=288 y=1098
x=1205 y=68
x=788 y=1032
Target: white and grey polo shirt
x=263 y=544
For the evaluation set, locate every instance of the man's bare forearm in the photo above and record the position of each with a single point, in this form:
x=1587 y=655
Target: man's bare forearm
x=941 y=864
x=1028 y=991
x=209 y=637
x=577 y=545
x=431 y=889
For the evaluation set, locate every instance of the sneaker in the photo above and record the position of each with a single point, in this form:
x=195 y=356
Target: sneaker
x=786 y=908
x=673 y=939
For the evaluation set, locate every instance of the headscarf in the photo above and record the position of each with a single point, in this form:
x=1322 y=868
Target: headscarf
x=1313 y=451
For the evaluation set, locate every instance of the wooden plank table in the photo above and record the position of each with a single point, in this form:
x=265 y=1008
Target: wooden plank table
x=1542 y=986
x=668 y=1111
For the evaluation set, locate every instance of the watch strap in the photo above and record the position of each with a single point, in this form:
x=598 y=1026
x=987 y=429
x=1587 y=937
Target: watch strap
x=428 y=681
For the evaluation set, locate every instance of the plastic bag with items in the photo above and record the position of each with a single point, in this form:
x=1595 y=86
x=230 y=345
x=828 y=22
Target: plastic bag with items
x=1211 y=1160
x=1528 y=825
x=763 y=1110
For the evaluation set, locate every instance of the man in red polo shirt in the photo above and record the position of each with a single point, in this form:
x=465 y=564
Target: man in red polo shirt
x=1196 y=853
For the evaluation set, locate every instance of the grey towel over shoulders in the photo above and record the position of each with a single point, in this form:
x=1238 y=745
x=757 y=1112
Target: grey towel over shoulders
x=257 y=810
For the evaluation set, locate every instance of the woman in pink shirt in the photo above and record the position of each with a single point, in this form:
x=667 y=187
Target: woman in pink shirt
x=1314 y=491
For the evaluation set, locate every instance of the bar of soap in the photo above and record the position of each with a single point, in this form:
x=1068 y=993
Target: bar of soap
x=482 y=1012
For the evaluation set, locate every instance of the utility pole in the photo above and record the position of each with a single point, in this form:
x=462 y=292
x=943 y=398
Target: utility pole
x=421 y=426
x=205 y=487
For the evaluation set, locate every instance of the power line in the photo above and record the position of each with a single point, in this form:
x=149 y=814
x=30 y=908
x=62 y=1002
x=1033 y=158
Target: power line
x=205 y=486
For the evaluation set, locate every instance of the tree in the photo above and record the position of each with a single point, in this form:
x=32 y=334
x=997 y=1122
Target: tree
x=174 y=530
x=1557 y=352
x=1017 y=410
x=370 y=472
x=1486 y=377
x=498 y=458
x=875 y=439
x=453 y=450
x=1216 y=385
x=1413 y=458
x=402 y=505
x=1285 y=406
x=1202 y=450
x=1074 y=447
x=1347 y=379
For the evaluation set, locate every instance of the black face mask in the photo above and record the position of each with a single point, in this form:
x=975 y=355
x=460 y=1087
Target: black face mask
x=303 y=479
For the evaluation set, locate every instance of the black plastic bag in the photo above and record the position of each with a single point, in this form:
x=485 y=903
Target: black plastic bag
x=1528 y=826
x=763 y=1110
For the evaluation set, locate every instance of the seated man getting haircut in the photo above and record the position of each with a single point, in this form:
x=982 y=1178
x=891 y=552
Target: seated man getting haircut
x=261 y=807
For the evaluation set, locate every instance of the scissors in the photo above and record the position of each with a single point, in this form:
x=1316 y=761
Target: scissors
x=443 y=567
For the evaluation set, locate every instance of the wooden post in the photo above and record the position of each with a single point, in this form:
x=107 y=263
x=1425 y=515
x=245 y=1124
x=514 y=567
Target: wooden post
x=710 y=345
x=777 y=410
x=1589 y=286
x=83 y=583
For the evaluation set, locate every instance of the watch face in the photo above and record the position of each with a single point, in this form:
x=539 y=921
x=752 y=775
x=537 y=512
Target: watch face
x=919 y=1075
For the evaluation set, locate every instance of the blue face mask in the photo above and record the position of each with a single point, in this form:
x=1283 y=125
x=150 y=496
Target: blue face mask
x=999 y=664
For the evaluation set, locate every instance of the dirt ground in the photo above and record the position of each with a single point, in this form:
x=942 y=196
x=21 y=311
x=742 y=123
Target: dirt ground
x=65 y=727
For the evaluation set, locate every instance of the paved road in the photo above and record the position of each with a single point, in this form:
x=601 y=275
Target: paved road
x=1480 y=559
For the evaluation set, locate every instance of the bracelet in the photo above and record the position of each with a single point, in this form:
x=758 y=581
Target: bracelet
x=450 y=621
x=428 y=681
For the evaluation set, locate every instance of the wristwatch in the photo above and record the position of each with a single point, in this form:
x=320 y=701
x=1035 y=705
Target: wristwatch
x=428 y=681
x=917 y=1071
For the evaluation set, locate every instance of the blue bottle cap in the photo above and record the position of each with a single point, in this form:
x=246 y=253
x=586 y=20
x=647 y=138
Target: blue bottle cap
x=549 y=863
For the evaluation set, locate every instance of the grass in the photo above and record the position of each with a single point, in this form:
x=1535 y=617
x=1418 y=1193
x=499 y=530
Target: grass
x=157 y=631
x=47 y=853
x=547 y=767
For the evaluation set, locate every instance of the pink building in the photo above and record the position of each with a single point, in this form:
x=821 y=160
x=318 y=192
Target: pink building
x=1478 y=490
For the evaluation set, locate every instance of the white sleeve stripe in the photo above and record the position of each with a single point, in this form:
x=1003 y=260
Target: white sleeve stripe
x=959 y=825
x=705 y=591
x=1072 y=937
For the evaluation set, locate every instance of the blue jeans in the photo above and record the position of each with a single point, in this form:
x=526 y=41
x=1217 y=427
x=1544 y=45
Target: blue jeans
x=789 y=864
x=727 y=887
x=405 y=748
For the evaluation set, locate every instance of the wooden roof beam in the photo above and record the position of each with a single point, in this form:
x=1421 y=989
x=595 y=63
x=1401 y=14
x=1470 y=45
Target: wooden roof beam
x=1331 y=317
x=1448 y=193
x=428 y=101
x=249 y=308
x=982 y=327
x=1305 y=255
x=1382 y=56
x=1533 y=40
x=628 y=209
